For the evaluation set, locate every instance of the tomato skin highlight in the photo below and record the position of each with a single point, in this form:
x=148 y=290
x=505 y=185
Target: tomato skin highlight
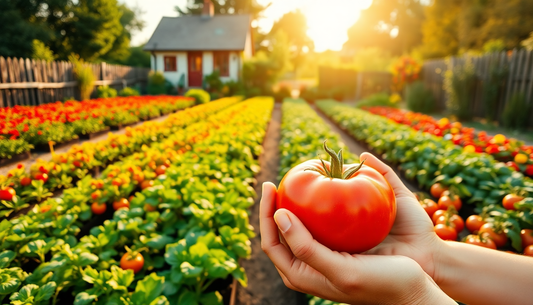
x=447 y=201
x=437 y=189
x=437 y=215
x=429 y=206
x=352 y=215
x=528 y=251
x=455 y=222
x=475 y=240
x=135 y=263
x=500 y=239
x=445 y=232
x=527 y=237
x=474 y=222
x=509 y=200
x=98 y=208
x=121 y=203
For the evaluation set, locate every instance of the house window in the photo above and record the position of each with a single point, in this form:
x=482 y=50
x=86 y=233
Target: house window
x=170 y=63
x=221 y=63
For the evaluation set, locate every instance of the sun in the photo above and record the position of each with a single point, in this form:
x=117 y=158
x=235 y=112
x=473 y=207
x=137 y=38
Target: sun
x=329 y=21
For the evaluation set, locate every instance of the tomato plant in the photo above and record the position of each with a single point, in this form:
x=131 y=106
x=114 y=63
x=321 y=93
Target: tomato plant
x=132 y=260
x=510 y=199
x=474 y=222
x=98 y=208
x=494 y=232
x=445 y=232
x=481 y=241
x=320 y=194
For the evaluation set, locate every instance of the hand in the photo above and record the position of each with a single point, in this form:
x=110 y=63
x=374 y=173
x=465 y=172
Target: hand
x=307 y=266
x=412 y=234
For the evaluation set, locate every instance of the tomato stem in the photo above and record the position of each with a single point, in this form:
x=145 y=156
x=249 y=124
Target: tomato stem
x=336 y=169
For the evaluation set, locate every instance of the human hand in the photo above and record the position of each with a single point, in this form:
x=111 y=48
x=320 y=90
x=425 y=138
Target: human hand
x=307 y=266
x=412 y=234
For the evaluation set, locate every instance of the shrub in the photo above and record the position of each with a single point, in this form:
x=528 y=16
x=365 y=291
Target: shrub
x=106 y=92
x=213 y=82
x=156 y=83
x=42 y=51
x=419 y=98
x=459 y=83
x=516 y=113
x=84 y=75
x=378 y=99
x=128 y=91
x=309 y=93
x=200 y=96
x=282 y=93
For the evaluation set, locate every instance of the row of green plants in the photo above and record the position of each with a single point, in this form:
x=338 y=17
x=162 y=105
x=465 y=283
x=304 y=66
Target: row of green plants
x=22 y=186
x=109 y=92
x=427 y=159
x=189 y=224
x=302 y=135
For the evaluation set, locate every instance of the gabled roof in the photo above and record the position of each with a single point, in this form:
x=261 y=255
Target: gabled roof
x=194 y=32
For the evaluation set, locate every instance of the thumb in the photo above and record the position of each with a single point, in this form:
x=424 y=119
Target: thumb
x=306 y=248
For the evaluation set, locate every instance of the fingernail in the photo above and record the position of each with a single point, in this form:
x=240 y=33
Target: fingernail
x=283 y=221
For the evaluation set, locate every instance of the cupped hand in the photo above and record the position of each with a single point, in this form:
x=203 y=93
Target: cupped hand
x=307 y=266
x=412 y=234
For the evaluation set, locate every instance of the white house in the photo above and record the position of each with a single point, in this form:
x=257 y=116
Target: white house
x=194 y=46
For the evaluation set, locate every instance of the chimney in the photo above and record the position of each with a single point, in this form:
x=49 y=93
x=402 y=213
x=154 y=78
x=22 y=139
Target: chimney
x=208 y=10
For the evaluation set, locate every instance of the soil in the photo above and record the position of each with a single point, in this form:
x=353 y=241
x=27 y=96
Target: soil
x=265 y=286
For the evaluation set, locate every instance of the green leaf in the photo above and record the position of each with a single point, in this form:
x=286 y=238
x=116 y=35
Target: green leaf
x=6 y=257
x=122 y=279
x=8 y=284
x=46 y=291
x=188 y=298
x=516 y=240
x=86 y=259
x=160 y=300
x=148 y=289
x=156 y=241
x=240 y=275
x=25 y=294
x=212 y=298
x=190 y=271
x=83 y=298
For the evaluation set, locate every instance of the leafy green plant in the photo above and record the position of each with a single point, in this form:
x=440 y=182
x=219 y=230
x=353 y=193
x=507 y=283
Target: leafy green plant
x=42 y=51
x=459 y=84
x=517 y=112
x=282 y=93
x=200 y=96
x=212 y=82
x=106 y=92
x=84 y=76
x=378 y=99
x=419 y=98
x=10 y=148
x=156 y=83
x=129 y=91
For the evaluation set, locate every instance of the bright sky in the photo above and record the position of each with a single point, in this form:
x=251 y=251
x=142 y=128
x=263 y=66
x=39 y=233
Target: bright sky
x=328 y=20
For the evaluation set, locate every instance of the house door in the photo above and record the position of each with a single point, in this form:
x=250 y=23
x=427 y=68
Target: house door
x=195 y=69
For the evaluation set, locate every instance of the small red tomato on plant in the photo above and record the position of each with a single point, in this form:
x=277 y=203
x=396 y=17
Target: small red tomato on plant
x=95 y=195
x=510 y=199
x=122 y=203
x=25 y=181
x=437 y=214
x=146 y=184
x=98 y=208
x=528 y=251
x=429 y=206
x=474 y=222
x=455 y=221
x=527 y=237
x=43 y=170
x=445 y=232
x=338 y=202
x=495 y=233
x=450 y=200
x=132 y=260
x=481 y=241
x=160 y=170
x=437 y=189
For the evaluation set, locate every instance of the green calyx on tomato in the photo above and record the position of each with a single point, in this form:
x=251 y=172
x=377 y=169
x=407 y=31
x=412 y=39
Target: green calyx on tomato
x=336 y=169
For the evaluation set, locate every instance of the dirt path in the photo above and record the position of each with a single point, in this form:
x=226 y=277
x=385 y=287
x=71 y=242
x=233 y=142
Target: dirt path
x=265 y=286
x=48 y=156
x=358 y=148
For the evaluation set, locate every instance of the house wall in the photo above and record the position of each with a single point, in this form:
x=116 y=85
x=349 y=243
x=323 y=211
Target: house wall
x=181 y=65
x=248 y=47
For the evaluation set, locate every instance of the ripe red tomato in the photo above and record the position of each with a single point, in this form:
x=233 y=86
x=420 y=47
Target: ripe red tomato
x=447 y=201
x=437 y=214
x=455 y=221
x=329 y=208
x=482 y=242
x=437 y=189
x=122 y=203
x=160 y=170
x=25 y=181
x=445 y=232
x=98 y=208
x=42 y=177
x=529 y=170
x=139 y=177
x=43 y=170
x=45 y=208
x=133 y=261
x=474 y=222
x=513 y=165
x=510 y=199
x=146 y=184
x=528 y=251
x=7 y=193
x=429 y=206
x=499 y=238
x=527 y=237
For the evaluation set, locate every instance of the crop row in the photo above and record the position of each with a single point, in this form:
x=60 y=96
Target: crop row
x=429 y=159
x=515 y=153
x=23 y=127
x=199 y=200
x=66 y=168
x=302 y=135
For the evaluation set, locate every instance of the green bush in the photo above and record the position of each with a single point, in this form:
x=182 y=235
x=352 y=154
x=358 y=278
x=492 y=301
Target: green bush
x=128 y=91
x=378 y=99
x=84 y=76
x=419 y=98
x=157 y=83
x=106 y=92
x=213 y=82
x=282 y=93
x=200 y=96
x=516 y=113
x=459 y=83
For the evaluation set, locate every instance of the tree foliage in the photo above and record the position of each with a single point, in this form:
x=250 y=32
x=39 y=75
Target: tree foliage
x=223 y=7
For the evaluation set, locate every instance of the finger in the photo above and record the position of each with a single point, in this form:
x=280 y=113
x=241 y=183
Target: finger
x=270 y=242
x=397 y=185
x=304 y=247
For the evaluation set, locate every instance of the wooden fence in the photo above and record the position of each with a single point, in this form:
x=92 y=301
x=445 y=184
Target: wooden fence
x=35 y=82
x=517 y=69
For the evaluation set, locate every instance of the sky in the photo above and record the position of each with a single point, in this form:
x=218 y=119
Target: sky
x=328 y=20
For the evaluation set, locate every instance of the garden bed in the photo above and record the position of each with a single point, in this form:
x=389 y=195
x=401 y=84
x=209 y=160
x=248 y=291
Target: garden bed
x=90 y=136
x=122 y=126
x=17 y=158
x=45 y=148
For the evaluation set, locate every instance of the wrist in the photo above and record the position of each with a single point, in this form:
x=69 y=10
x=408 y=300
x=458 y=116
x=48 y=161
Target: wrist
x=443 y=263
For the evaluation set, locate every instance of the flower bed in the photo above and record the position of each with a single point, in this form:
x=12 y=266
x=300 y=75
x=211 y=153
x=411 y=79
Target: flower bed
x=190 y=216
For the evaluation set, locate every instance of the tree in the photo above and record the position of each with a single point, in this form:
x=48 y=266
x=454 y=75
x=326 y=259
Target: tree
x=388 y=24
x=440 y=29
x=41 y=51
x=16 y=32
x=294 y=25
x=222 y=7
